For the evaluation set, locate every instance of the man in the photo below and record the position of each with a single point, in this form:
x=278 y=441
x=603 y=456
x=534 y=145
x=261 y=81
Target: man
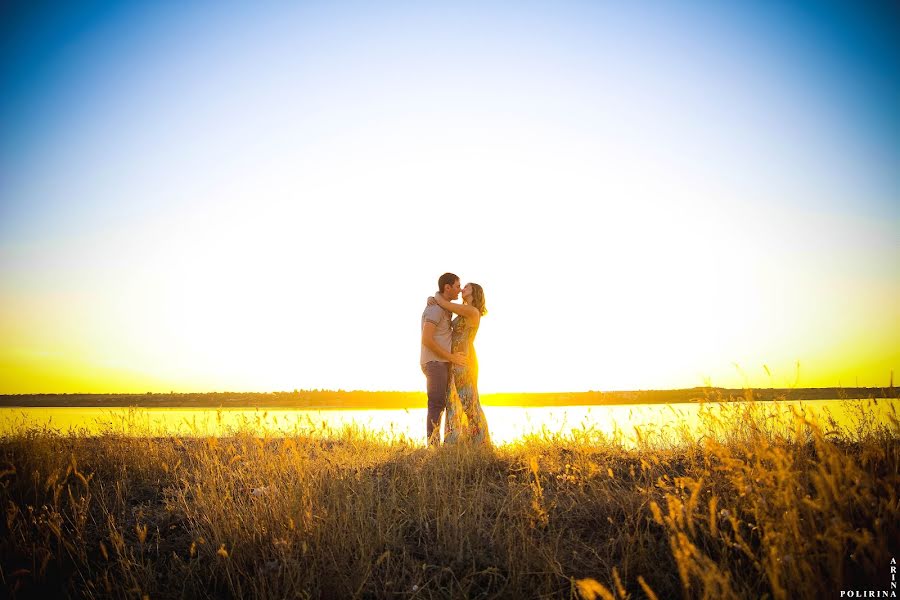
x=436 y=357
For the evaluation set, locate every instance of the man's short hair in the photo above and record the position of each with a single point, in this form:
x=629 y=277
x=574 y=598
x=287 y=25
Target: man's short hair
x=446 y=279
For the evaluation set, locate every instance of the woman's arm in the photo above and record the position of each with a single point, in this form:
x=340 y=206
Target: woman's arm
x=463 y=310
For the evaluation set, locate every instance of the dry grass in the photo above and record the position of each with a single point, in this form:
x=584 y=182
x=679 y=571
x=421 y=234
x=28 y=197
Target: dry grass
x=754 y=508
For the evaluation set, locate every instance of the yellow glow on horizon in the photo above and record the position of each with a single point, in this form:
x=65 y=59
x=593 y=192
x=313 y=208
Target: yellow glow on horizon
x=607 y=262
x=204 y=332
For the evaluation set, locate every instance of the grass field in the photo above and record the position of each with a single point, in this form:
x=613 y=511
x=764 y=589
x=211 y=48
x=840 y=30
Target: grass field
x=752 y=508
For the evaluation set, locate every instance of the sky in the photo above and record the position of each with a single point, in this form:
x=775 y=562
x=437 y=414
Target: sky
x=234 y=196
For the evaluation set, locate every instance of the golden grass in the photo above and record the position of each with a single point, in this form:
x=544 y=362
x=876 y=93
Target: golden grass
x=754 y=507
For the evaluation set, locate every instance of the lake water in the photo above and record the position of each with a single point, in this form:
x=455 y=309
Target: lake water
x=506 y=423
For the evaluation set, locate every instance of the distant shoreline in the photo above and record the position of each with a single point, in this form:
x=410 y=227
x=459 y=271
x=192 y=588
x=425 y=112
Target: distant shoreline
x=348 y=400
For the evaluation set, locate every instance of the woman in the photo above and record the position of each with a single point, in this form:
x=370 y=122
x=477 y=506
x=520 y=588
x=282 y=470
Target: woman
x=465 y=419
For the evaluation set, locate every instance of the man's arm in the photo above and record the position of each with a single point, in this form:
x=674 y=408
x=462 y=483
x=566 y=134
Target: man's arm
x=428 y=331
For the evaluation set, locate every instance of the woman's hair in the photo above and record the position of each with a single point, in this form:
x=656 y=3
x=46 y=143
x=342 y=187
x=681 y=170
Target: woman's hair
x=478 y=298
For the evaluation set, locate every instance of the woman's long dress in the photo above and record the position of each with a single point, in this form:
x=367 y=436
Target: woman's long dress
x=465 y=419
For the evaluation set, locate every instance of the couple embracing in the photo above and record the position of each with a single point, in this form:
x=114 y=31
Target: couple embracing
x=449 y=362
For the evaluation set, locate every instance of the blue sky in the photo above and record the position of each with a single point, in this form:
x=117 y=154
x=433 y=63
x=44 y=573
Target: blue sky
x=178 y=180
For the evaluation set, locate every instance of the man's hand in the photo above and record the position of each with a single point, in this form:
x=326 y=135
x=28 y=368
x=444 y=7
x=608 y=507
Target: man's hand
x=460 y=359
